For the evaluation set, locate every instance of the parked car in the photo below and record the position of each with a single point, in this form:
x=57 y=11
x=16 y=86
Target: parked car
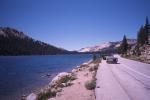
x=111 y=59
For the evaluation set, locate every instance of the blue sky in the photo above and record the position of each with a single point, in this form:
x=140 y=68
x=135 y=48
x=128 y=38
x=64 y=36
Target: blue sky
x=73 y=24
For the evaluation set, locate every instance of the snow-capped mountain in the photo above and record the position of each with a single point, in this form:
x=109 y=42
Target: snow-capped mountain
x=97 y=47
x=130 y=42
x=106 y=46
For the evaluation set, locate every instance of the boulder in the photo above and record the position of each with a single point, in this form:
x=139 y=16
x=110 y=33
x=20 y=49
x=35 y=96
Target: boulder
x=32 y=96
x=58 y=77
x=74 y=70
x=52 y=99
x=64 y=84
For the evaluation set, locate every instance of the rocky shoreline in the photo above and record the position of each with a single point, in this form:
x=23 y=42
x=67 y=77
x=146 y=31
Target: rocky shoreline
x=70 y=85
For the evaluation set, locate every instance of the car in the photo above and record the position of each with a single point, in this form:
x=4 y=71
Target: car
x=111 y=59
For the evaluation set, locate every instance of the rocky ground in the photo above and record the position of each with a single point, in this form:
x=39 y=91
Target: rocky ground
x=142 y=55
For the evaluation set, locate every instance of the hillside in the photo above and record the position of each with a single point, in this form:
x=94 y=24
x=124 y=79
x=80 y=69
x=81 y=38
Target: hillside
x=14 y=42
x=107 y=46
x=141 y=50
x=141 y=54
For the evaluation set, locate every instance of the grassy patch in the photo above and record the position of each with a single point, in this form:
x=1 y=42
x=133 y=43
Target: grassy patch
x=90 y=85
x=64 y=81
x=46 y=94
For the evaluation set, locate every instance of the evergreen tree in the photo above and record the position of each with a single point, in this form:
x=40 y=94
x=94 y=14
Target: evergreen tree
x=146 y=30
x=11 y=44
x=142 y=36
x=124 y=46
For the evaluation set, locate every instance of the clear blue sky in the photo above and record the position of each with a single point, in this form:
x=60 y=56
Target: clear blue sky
x=73 y=24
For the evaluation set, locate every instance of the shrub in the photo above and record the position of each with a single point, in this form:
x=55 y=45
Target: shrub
x=94 y=75
x=45 y=95
x=90 y=85
x=65 y=79
x=72 y=78
x=94 y=68
x=97 y=61
x=91 y=69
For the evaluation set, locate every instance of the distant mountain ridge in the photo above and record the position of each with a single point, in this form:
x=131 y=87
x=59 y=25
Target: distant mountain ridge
x=106 y=46
x=14 y=42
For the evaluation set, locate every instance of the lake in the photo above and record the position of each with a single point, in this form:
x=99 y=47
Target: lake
x=25 y=74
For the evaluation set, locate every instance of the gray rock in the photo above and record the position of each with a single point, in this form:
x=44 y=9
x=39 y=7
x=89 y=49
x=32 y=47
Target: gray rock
x=32 y=96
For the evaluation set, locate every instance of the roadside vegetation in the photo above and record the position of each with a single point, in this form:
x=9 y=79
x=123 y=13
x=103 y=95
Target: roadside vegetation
x=94 y=68
x=65 y=81
x=56 y=86
x=140 y=50
x=91 y=84
x=124 y=46
x=46 y=94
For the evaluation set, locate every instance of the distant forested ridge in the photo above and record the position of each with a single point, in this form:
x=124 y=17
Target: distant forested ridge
x=14 y=42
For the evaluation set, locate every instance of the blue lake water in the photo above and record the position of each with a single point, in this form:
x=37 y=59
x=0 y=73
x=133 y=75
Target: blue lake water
x=25 y=74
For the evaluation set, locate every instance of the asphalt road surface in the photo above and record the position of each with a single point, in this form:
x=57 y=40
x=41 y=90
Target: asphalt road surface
x=127 y=80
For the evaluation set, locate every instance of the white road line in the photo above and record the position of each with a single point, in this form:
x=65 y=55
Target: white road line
x=136 y=71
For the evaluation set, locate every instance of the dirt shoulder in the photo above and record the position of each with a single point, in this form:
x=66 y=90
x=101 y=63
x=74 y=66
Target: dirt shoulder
x=78 y=90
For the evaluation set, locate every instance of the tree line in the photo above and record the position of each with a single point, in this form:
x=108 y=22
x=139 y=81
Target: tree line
x=143 y=36
x=13 y=45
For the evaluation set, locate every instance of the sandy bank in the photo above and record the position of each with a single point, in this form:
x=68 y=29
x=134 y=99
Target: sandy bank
x=70 y=85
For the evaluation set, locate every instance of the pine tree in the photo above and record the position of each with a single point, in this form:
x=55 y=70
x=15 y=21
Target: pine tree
x=141 y=36
x=146 y=30
x=124 y=46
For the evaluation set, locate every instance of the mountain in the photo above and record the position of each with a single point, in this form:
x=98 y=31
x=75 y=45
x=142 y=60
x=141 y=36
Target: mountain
x=14 y=42
x=106 y=46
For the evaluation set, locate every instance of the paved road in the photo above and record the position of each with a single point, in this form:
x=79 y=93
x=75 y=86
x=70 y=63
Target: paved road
x=127 y=80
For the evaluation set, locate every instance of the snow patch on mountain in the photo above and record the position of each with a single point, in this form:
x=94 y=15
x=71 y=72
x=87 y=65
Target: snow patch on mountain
x=97 y=47
x=106 y=45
